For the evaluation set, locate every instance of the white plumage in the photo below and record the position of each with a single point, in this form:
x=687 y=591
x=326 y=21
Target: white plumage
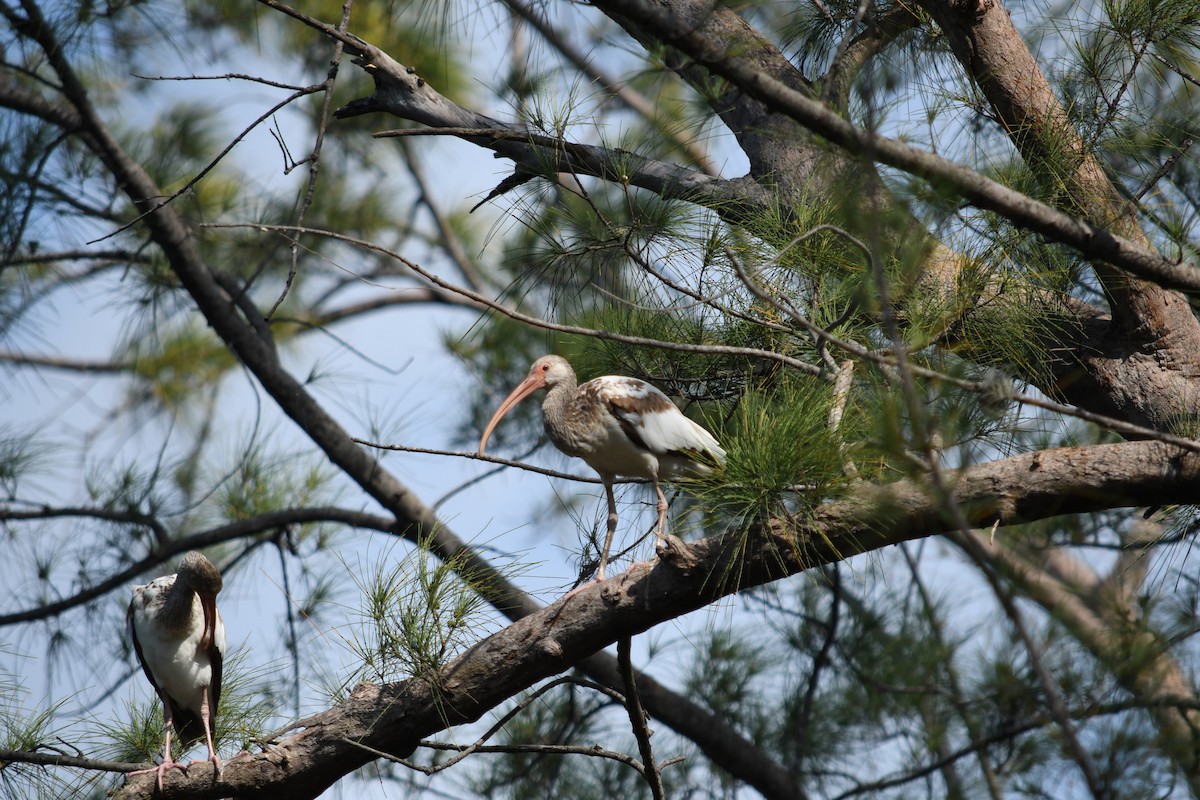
x=179 y=639
x=619 y=426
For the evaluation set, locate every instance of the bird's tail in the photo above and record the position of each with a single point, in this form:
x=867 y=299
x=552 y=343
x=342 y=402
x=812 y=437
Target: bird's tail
x=188 y=726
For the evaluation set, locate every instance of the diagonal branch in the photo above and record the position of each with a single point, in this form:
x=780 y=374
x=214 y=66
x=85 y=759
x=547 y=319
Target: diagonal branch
x=637 y=718
x=239 y=529
x=1054 y=699
x=394 y=718
x=1105 y=631
x=401 y=92
x=993 y=52
x=1023 y=211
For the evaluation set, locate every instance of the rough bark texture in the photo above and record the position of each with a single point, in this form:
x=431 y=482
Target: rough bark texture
x=394 y=717
x=1143 y=368
x=1147 y=363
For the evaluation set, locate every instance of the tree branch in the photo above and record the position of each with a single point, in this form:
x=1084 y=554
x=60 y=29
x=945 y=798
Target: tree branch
x=394 y=718
x=63 y=760
x=992 y=51
x=1023 y=211
x=401 y=92
x=62 y=363
x=224 y=533
x=637 y=718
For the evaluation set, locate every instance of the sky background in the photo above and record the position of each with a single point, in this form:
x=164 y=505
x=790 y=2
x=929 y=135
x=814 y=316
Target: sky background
x=403 y=374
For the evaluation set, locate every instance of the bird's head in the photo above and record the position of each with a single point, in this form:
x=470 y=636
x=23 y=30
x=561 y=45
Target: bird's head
x=547 y=372
x=201 y=576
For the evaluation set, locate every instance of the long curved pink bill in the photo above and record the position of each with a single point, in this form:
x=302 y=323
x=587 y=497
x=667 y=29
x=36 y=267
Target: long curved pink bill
x=523 y=390
x=208 y=637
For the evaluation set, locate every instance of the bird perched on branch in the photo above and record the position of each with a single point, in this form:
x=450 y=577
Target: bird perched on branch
x=619 y=426
x=179 y=639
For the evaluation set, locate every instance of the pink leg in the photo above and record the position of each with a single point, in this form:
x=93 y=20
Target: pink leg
x=661 y=532
x=167 y=763
x=206 y=720
x=612 y=528
x=665 y=540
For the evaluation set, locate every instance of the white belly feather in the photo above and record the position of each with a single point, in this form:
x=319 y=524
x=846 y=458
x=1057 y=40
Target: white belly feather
x=180 y=667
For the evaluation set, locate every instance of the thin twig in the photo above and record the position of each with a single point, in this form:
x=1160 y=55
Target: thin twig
x=211 y=165
x=953 y=684
x=632 y=99
x=1058 y=707
x=1161 y=172
x=479 y=744
x=223 y=533
x=641 y=341
x=508 y=462
x=63 y=760
x=637 y=718
x=820 y=661
x=314 y=157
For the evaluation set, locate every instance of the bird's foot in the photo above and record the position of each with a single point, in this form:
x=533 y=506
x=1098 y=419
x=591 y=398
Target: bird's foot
x=671 y=550
x=580 y=588
x=159 y=770
x=216 y=762
x=669 y=547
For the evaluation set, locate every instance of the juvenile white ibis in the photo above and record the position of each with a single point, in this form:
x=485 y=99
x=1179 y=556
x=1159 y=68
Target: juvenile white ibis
x=179 y=639
x=619 y=426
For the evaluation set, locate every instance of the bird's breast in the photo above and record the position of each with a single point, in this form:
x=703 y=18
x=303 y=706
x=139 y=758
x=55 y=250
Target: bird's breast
x=605 y=446
x=180 y=666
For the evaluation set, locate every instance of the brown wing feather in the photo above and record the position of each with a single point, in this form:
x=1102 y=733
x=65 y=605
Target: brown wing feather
x=627 y=399
x=628 y=408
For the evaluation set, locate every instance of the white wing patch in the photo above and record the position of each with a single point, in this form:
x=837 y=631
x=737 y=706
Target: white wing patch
x=653 y=420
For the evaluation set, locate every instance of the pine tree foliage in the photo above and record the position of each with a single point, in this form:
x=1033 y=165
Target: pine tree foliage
x=928 y=272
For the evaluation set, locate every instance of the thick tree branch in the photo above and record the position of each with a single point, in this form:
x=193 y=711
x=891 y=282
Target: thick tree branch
x=1023 y=211
x=994 y=54
x=225 y=533
x=393 y=718
x=401 y=92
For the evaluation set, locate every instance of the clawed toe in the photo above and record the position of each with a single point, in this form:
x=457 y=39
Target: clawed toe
x=159 y=771
x=580 y=588
x=671 y=543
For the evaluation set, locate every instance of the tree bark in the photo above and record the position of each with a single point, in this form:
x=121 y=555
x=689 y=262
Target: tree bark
x=1148 y=362
x=393 y=718
x=1109 y=631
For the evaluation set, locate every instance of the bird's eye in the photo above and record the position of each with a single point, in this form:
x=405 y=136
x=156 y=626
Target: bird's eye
x=545 y=367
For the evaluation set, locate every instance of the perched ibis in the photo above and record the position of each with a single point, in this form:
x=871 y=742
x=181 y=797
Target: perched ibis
x=619 y=426
x=179 y=639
